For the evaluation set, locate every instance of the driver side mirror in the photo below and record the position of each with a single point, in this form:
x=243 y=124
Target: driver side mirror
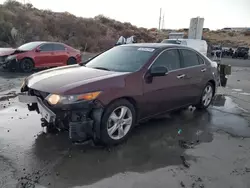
x=38 y=50
x=158 y=71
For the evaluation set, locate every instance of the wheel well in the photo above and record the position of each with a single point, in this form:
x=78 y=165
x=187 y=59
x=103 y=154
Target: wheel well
x=129 y=99
x=28 y=58
x=213 y=83
x=72 y=58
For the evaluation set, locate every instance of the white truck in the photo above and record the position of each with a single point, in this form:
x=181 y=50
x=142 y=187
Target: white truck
x=199 y=45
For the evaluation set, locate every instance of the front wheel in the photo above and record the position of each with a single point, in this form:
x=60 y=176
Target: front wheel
x=117 y=122
x=207 y=96
x=26 y=65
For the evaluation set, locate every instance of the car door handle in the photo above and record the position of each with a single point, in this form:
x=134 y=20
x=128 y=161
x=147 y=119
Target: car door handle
x=181 y=76
x=203 y=70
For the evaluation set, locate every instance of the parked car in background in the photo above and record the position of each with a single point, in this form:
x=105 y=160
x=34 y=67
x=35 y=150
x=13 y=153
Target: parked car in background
x=226 y=51
x=40 y=55
x=199 y=45
x=105 y=98
x=4 y=52
x=241 y=52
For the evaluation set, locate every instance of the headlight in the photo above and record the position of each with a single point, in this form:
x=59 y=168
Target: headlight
x=10 y=57
x=54 y=99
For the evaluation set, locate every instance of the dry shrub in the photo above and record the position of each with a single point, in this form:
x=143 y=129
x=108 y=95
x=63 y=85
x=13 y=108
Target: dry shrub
x=247 y=33
x=231 y=34
x=97 y=34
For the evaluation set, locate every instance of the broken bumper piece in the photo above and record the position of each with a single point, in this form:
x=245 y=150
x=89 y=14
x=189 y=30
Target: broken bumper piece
x=82 y=120
x=11 y=64
x=45 y=112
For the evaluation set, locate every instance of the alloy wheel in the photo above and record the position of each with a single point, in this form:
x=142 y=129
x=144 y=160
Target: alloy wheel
x=119 y=122
x=207 y=95
x=27 y=65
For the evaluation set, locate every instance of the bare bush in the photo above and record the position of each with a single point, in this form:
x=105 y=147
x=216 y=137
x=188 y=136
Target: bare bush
x=247 y=33
x=99 y=33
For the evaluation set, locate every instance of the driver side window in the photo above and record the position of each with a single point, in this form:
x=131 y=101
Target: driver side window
x=169 y=59
x=46 y=48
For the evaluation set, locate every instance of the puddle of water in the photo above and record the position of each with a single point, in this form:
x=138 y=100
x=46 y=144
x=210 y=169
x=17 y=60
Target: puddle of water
x=237 y=89
x=248 y=94
x=151 y=146
x=226 y=117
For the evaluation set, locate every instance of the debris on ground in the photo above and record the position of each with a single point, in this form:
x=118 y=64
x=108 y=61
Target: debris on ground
x=184 y=162
x=182 y=184
x=179 y=131
x=240 y=171
x=185 y=144
x=8 y=96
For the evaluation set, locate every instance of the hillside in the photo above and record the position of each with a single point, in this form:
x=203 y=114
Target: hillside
x=23 y=23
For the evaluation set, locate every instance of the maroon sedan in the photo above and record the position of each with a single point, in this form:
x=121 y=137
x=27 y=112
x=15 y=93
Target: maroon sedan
x=105 y=98
x=39 y=55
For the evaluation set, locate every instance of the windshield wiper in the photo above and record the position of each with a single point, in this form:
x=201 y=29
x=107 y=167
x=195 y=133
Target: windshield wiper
x=101 y=68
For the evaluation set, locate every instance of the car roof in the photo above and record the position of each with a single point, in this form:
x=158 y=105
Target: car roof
x=43 y=42
x=156 y=45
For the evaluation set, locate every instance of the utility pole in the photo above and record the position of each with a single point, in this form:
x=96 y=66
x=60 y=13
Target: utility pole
x=163 y=21
x=160 y=20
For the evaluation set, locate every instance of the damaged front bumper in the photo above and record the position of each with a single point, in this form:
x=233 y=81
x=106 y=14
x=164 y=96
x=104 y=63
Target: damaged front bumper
x=10 y=64
x=82 y=119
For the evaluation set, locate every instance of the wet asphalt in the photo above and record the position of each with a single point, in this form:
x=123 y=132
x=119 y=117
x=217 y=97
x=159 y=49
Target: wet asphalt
x=212 y=148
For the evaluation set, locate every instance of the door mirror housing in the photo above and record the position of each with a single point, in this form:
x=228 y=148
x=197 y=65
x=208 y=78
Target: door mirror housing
x=38 y=50
x=158 y=71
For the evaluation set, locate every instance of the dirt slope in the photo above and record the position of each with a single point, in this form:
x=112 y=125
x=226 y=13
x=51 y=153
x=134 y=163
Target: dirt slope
x=23 y=23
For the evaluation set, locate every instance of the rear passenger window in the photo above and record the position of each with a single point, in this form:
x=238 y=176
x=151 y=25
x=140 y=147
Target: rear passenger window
x=59 y=47
x=169 y=59
x=190 y=58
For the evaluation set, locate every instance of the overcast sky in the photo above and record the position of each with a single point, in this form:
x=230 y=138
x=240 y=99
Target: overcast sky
x=217 y=13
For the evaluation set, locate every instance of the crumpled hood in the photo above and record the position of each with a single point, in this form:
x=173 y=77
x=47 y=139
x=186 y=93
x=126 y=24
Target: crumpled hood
x=6 y=51
x=62 y=79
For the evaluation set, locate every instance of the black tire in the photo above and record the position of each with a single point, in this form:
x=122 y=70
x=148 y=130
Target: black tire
x=105 y=137
x=201 y=105
x=71 y=61
x=26 y=65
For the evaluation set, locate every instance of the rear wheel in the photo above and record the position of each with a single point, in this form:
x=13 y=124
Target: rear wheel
x=207 y=96
x=26 y=65
x=71 y=61
x=117 y=122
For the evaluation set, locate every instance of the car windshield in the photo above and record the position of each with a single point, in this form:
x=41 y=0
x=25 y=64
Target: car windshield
x=171 y=41
x=29 y=46
x=122 y=59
